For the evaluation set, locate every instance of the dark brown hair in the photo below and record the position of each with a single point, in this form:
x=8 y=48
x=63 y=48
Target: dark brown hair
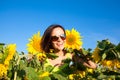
x=46 y=38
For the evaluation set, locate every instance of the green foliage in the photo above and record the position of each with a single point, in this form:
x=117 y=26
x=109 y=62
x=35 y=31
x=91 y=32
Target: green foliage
x=51 y=55
x=23 y=67
x=1 y=46
x=31 y=74
x=56 y=76
x=108 y=50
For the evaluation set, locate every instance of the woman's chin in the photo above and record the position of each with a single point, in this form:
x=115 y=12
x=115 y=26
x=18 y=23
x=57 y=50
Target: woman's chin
x=60 y=48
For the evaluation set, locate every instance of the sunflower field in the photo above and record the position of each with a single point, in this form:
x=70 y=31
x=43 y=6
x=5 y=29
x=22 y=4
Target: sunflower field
x=34 y=65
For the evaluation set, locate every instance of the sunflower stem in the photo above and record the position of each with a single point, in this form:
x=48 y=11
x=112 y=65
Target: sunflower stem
x=15 y=74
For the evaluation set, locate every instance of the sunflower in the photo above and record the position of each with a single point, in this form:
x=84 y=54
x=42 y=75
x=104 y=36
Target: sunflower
x=41 y=56
x=11 y=51
x=96 y=55
x=73 y=39
x=33 y=46
x=3 y=71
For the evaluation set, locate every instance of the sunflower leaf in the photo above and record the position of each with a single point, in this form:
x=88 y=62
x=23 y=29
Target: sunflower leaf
x=1 y=46
x=118 y=47
x=58 y=77
x=104 y=56
x=52 y=55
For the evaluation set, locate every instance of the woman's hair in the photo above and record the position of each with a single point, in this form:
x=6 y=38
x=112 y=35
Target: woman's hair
x=46 y=38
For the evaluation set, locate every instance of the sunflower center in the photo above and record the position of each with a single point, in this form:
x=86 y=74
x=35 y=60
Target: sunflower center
x=71 y=40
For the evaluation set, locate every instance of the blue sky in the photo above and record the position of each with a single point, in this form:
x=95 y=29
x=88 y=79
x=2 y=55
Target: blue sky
x=94 y=19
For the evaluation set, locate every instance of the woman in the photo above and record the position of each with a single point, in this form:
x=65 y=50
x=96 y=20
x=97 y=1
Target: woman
x=54 y=38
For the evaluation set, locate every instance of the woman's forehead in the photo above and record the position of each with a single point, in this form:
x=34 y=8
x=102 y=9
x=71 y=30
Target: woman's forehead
x=57 y=31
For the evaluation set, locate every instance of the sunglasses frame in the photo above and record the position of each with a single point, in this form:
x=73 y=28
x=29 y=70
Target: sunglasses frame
x=55 y=38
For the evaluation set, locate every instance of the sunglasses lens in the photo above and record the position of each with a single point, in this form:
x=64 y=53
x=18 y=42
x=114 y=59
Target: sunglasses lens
x=63 y=37
x=54 y=38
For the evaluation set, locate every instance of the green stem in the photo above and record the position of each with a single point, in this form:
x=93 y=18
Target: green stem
x=15 y=74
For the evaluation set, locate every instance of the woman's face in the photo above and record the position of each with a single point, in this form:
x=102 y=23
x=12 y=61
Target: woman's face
x=58 y=39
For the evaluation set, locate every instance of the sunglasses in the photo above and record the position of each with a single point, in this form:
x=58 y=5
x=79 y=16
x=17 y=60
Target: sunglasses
x=55 y=38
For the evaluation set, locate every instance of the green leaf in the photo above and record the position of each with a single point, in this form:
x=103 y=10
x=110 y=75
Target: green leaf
x=101 y=76
x=118 y=53
x=52 y=55
x=31 y=74
x=49 y=68
x=118 y=47
x=1 y=46
x=65 y=69
x=21 y=74
x=104 y=56
x=1 y=57
x=58 y=77
x=45 y=78
x=5 y=54
x=22 y=64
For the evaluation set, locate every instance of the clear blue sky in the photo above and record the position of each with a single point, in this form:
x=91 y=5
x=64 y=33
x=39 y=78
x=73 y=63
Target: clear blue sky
x=94 y=19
